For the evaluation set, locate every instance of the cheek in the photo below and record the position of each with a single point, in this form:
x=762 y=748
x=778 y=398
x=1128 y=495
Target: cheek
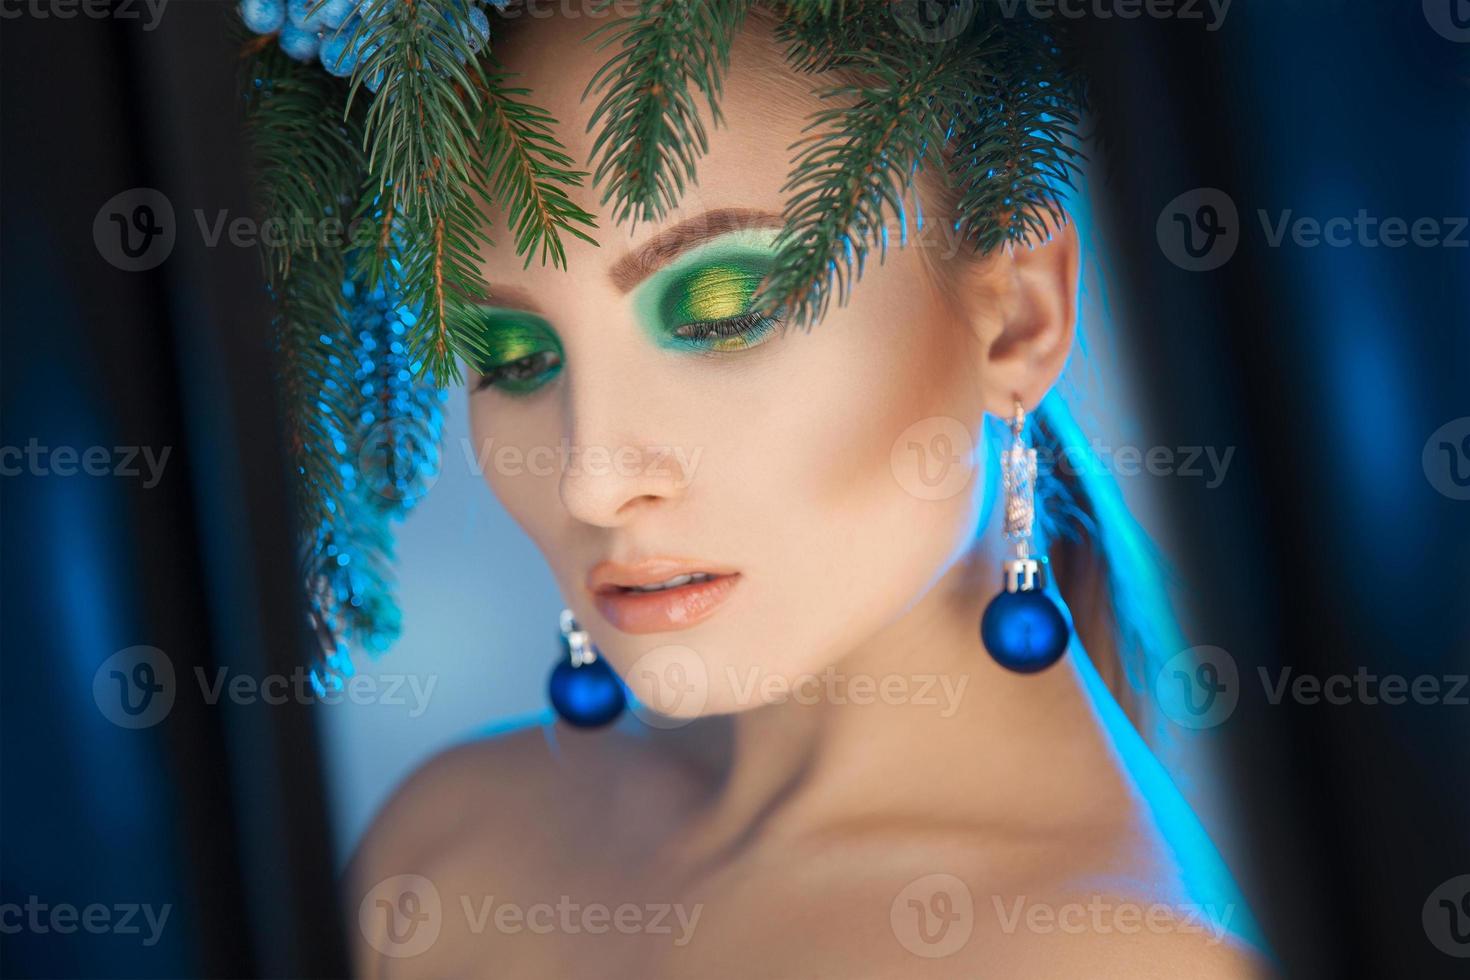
x=516 y=450
x=872 y=470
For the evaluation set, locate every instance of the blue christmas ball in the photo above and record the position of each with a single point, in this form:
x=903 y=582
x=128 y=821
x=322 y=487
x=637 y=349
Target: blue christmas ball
x=373 y=8
x=299 y=44
x=337 y=56
x=477 y=31
x=1024 y=631
x=263 y=16
x=334 y=13
x=586 y=696
x=316 y=15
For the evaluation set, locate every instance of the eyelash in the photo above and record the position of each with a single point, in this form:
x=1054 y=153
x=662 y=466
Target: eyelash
x=497 y=376
x=533 y=370
x=730 y=328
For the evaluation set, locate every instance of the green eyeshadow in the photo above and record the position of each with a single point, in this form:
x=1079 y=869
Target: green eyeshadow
x=703 y=300
x=519 y=351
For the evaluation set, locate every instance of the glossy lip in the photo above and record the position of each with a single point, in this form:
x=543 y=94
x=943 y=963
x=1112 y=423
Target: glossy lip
x=657 y=612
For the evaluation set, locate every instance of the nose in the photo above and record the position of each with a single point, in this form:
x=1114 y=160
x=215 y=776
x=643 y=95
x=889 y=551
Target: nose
x=610 y=477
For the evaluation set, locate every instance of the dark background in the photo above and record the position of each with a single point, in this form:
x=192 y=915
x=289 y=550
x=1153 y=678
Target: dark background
x=1339 y=544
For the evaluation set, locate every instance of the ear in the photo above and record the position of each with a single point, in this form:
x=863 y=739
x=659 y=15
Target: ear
x=1028 y=321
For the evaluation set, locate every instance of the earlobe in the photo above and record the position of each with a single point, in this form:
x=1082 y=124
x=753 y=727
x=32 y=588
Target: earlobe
x=1036 y=295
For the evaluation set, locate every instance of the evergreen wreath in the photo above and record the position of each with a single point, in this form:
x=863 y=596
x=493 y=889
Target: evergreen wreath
x=392 y=122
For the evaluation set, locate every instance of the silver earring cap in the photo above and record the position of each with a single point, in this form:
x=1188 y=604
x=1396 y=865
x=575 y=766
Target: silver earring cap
x=579 y=645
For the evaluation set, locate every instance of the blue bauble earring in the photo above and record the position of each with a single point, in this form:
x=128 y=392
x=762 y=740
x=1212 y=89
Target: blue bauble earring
x=583 y=689
x=1022 y=627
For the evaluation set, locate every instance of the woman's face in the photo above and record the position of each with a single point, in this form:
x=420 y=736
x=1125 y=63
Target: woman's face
x=639 y=425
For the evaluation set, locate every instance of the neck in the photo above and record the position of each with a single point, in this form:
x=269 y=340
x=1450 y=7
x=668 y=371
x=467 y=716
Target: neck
x=918 y=720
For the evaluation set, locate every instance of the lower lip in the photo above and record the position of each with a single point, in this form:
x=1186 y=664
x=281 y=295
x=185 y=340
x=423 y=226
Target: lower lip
x=667 y=609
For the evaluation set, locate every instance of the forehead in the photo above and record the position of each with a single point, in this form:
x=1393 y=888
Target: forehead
x=764 y=107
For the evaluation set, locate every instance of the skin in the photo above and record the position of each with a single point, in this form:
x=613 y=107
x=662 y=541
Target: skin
x=792 y=828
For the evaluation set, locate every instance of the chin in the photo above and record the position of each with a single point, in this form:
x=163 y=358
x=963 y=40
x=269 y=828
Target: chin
x=711 y=671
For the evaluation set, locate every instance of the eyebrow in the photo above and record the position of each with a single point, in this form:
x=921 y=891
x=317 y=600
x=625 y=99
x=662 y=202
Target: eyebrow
x=657 y=252
x=512 y=298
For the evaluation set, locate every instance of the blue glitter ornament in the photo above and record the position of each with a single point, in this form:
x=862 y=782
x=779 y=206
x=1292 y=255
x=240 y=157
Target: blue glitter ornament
x=387 y=453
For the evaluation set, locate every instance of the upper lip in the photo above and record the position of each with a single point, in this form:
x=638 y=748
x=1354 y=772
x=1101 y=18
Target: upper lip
x=610 y=576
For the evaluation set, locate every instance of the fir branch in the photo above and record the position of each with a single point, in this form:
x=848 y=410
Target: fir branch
x=428 y=183
x=856 y=169
x=1017 y=144
x=307 y=167
x=436 y=266
x=307 y=161
x=651 y=133
x=529 y=171
x=820 y=36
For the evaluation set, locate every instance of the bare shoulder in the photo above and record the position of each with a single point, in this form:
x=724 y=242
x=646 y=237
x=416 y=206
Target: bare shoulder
x=531 y=788
x=435 y=804
x=1101 y=898
x=1104 y=936
x=1113 y=904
